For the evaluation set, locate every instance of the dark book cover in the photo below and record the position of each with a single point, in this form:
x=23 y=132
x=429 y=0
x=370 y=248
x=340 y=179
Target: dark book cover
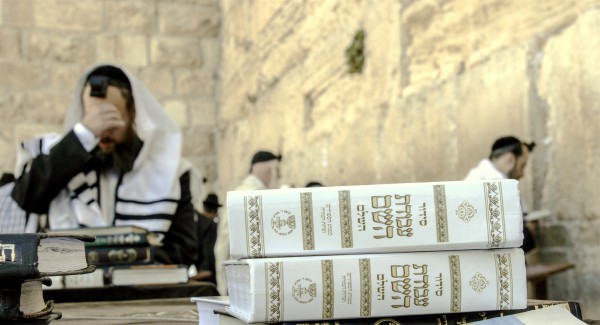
x=113 y=236
x=128 y=239
x=19 y=254
x=103 y=256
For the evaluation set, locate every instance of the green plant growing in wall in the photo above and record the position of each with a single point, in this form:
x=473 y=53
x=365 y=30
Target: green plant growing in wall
x=355 y=53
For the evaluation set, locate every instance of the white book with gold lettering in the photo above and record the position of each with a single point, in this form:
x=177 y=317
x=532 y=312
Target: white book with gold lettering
x=376 y=285
x=375 y=219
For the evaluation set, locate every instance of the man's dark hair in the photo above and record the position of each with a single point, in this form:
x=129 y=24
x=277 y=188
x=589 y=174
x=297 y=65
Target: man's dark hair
x=509 y=144
x=114 y=76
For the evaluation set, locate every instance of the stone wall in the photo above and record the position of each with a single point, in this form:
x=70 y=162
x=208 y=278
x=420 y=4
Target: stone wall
x=172 y=46
x=441 y=80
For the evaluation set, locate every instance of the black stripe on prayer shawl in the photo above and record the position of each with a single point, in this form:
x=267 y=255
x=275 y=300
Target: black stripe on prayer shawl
x=147 y=202
x=161 y=216
x=90 y=202
x=85 y=186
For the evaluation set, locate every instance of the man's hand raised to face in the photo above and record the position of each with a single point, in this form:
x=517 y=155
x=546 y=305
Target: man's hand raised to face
x=104 y=114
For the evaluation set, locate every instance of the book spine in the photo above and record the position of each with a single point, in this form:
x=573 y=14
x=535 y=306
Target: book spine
x=377 y=285
x=131 y=239
x=10 y=295
x=375 y=218
x=120 y=255
x=19 y=256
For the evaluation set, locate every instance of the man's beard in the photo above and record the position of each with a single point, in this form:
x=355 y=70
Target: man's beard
x=123 y=156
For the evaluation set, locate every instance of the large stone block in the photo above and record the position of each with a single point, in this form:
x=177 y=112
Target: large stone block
x=178 y=18
x=58 y=47
x=557 y=235
x=64 y=77
x=82 y=15
x=176 y=52
x=203 y=111
x=20 y=75
x=10 y=47
x=19 y=13
x=211 y=54
x=587 y=233
x=177 y=111
x=158 y=80
x=198 y=141
x=127 y=49
x=195 y=82
x=130 y=16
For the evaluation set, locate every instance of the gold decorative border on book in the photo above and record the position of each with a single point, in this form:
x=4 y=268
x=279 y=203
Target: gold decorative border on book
x=441 y=213
x=308 y=235
x=328 y=289
x=455 y=284
x=274 y=282
x=504 y=277
x=495 y=214
x=364 y=266
x=346 y=218
x=254 y=232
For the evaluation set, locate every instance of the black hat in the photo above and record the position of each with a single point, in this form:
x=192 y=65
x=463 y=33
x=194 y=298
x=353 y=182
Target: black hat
x=506 y=144
x=115 y=75
x=262 y=156
x=313 y=184
x=212 y=200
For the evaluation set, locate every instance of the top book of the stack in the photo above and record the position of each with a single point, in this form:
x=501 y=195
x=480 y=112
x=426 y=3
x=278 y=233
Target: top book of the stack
x=375 y=218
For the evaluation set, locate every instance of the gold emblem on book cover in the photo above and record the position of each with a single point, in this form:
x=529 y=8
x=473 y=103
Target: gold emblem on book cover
x=253 y=214
x=346 y=218
x=505 y=281
x=455 y=283
x=441 y=213
x=478 y=282
x=466 y=211
x=328 y=290
x=283 y=222
x=304 y=290
x=495 y=214
x=365 y=286
x=274 y=293
x=8 y=253
x=308 y=235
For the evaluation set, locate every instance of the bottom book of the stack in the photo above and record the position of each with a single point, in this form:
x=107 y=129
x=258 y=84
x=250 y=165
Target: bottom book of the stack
x=23 y=301
x=376 y=285
x=212 y=311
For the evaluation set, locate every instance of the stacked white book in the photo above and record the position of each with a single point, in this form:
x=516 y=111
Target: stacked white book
x=375 y=251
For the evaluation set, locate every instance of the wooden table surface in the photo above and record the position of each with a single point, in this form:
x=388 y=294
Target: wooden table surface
x=148 y=311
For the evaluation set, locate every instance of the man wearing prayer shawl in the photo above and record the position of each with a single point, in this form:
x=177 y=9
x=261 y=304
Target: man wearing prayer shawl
x=118 y=162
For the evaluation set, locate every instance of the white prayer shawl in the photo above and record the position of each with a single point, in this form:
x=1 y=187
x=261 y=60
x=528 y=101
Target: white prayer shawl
x=486 y=170
x=483 y=171
x=151 y=188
